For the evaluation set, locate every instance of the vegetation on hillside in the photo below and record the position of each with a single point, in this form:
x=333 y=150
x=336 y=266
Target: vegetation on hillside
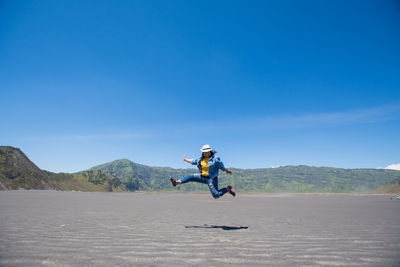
x=282 y=179
x=17 y=171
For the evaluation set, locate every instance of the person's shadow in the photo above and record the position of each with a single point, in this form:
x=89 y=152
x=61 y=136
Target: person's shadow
x=223 y=227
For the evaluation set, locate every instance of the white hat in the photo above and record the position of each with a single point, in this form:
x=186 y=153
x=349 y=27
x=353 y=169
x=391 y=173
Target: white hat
x=206 y=148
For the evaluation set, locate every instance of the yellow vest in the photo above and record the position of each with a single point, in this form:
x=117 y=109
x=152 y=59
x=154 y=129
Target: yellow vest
x=204 y=167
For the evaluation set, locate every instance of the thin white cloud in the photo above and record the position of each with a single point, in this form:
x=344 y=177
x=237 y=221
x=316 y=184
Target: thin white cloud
x=274 y=166
x=260 y=124
x=331 y=119
x=294 y=121
x=395 y=166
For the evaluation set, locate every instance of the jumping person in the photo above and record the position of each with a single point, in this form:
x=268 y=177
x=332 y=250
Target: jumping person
x=208 y=165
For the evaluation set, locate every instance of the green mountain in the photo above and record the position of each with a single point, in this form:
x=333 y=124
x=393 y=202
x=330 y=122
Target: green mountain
x=17 y=171
x=141 y=177
x=282 y=179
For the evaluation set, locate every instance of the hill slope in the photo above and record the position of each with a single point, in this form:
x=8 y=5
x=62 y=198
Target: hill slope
x=390 y=188
x=17 y=171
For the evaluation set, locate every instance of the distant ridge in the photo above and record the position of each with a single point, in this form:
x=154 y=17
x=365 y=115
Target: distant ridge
x=17 y=171
x=282 y=179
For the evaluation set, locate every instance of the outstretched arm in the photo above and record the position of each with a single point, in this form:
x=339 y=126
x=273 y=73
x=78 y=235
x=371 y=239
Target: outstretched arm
x=222 y=167
x=187 y=160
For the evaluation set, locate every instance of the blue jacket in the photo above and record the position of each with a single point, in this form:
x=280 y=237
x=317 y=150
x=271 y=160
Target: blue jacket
x=214 y=164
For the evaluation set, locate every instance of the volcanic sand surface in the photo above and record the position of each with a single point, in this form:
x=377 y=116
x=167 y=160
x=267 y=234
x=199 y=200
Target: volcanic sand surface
x=49 y=228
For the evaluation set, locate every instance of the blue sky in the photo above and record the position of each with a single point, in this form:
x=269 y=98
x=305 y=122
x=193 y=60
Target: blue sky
x=266 y=83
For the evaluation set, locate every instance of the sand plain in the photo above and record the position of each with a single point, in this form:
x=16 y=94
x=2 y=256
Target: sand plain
x=50 y=228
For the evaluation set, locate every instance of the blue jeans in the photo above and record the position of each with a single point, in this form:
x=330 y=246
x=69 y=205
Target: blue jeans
x=212 y=184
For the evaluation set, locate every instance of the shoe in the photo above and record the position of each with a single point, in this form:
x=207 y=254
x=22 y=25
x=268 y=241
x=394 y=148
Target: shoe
x=173 y=182
x=231 y=191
